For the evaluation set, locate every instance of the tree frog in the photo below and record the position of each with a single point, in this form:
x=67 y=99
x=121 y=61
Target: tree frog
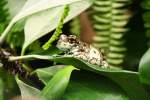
x=73 y=46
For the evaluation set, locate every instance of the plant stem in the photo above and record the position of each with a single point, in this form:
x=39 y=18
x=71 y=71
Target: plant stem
x=28 y=69
x=13 y=58
x=23 y=50
x=58 y=30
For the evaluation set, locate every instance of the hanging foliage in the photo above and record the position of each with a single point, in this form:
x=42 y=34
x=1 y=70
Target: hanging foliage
x=58 y=30
x=110 y=18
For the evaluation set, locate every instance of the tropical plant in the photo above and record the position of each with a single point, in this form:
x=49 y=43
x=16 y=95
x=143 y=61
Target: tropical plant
x=32 y=66
x=109 y=21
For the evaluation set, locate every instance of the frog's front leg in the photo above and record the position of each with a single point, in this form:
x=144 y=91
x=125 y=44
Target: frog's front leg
x=76 y=55
x=68 y=54
x=73 y=53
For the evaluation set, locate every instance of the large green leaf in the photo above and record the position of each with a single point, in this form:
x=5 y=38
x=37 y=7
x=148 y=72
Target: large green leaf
x=144 y=68
x=34 y=6
x=128 y=80
x=82 y=88
x=26 y=90
x=55 y=88
x=49 y=19
x=1 y=90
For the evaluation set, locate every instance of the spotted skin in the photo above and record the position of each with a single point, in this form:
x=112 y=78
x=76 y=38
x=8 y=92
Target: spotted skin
x=78 y=49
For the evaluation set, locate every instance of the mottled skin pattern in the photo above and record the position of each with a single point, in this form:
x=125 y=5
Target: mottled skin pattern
x=73 y=46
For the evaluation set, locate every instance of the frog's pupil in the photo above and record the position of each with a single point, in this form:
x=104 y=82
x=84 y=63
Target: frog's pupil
x=71 y=40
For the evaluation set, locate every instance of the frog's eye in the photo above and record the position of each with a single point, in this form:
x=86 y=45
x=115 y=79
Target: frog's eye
x=72 y=40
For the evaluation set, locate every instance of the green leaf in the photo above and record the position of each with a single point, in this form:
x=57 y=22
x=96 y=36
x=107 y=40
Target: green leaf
x=46 y=21
x=144 y=68
x=81 y=86
x=49 y=19
x=55 y=88
x=45 y=74
x=26 y=90
x=1 y=90
x=34 y=6
x=93 y=87
x=128 y=80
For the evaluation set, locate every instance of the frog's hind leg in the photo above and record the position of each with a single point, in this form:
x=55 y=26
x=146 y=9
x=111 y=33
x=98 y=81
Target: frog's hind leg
x=105 y=64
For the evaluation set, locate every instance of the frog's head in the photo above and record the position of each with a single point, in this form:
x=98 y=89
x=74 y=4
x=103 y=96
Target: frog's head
x=67 y=42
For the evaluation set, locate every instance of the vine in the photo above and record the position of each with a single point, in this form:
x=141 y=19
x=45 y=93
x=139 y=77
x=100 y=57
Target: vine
x=58 y=30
